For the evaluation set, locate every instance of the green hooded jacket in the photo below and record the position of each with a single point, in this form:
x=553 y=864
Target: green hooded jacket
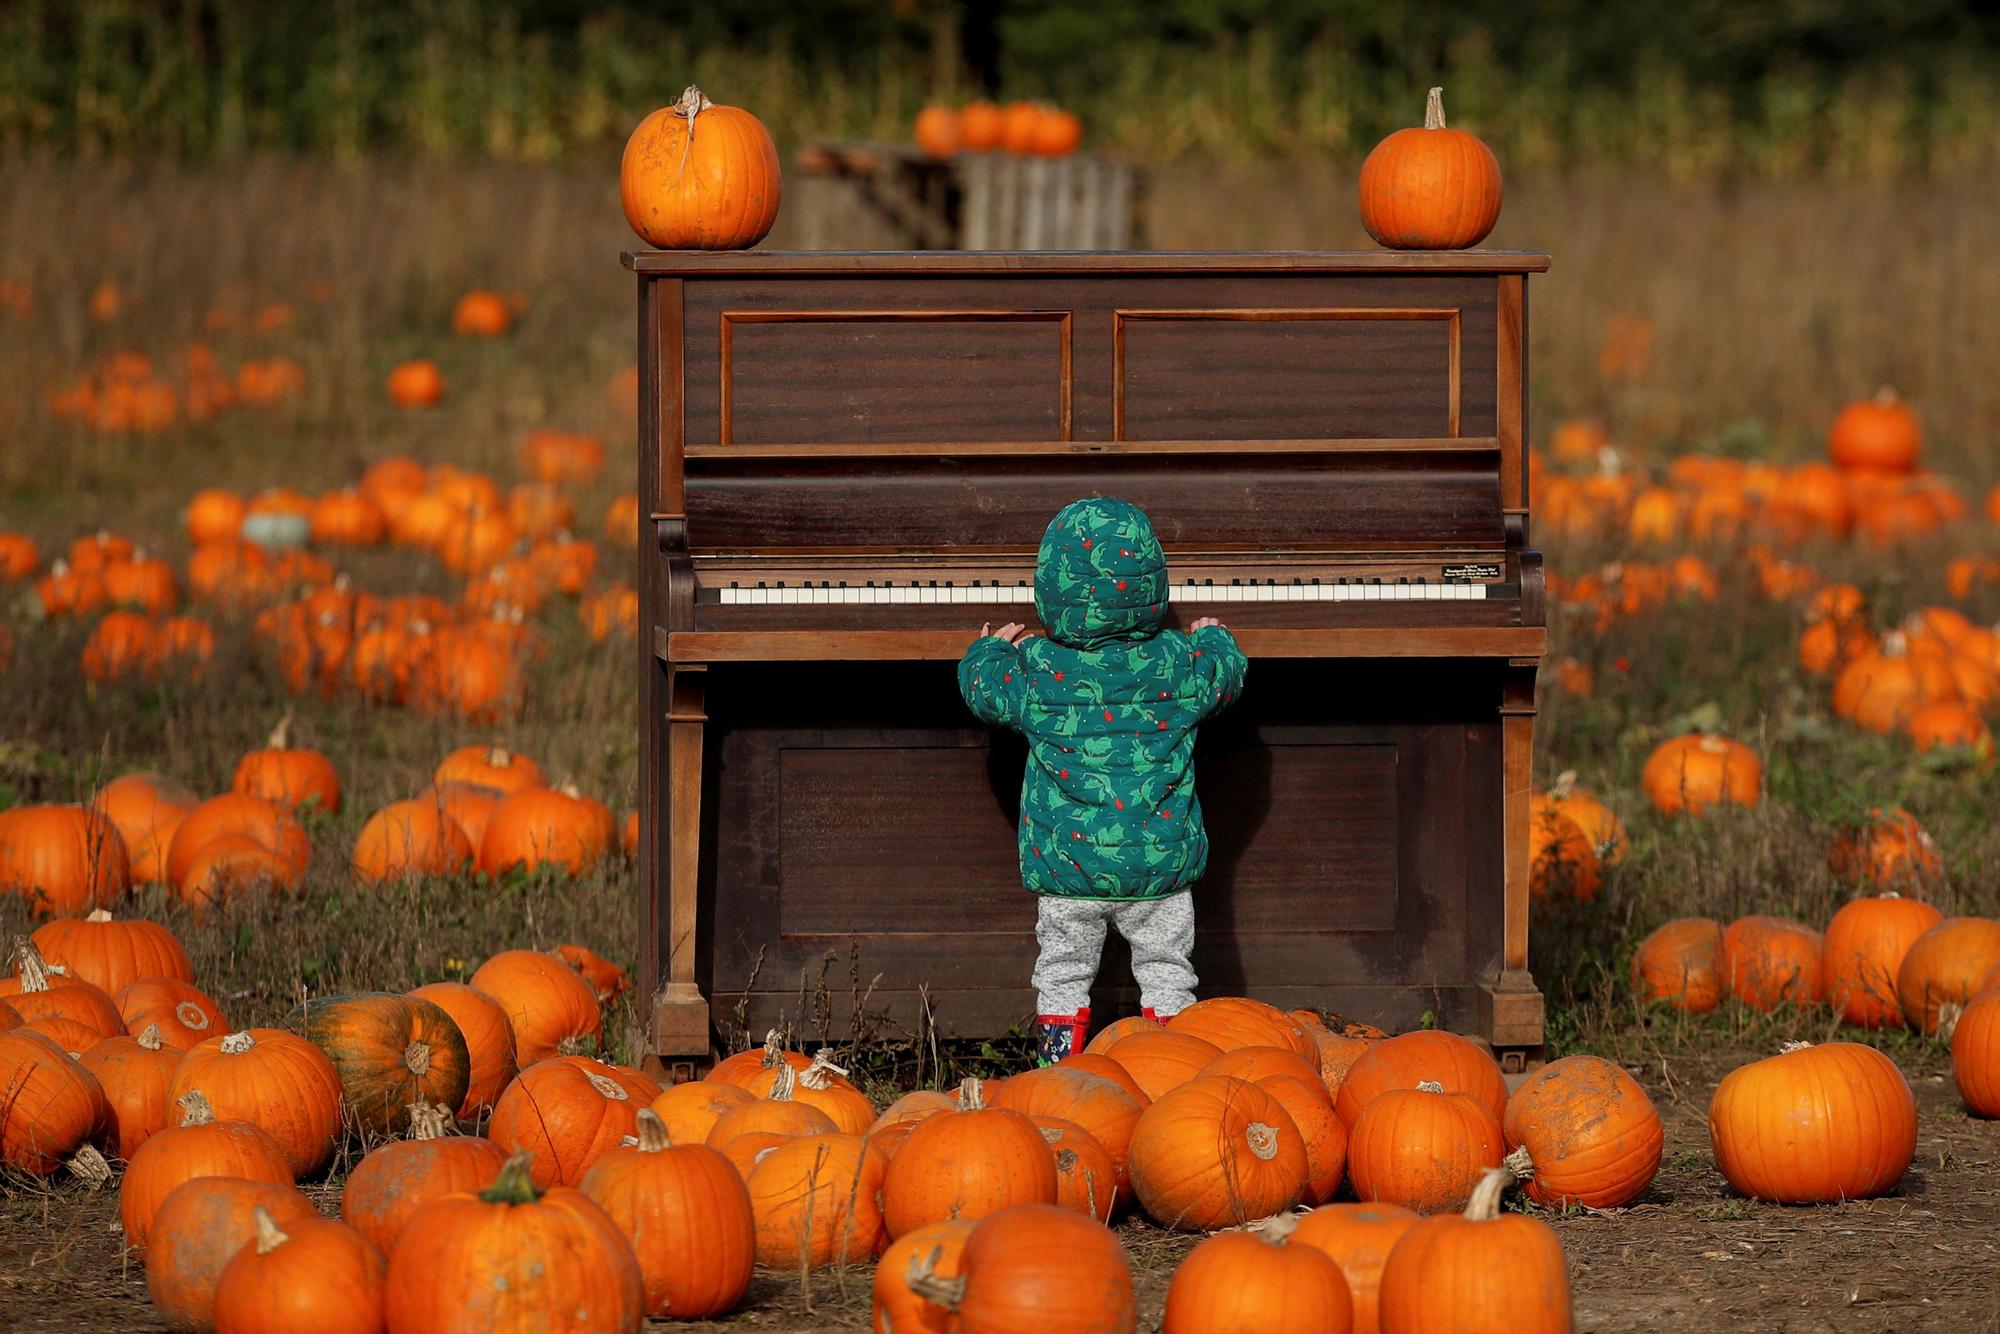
x=1109 y=702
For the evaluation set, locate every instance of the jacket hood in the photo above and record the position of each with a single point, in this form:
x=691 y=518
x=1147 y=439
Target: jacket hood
x=1101 y=575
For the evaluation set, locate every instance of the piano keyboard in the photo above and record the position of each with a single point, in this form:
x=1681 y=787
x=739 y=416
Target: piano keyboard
x=932 y=592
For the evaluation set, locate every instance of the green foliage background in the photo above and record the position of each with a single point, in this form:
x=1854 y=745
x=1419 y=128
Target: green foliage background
x=1851 y=88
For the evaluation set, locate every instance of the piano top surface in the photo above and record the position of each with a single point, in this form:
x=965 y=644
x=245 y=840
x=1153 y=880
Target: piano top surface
x=767 y=263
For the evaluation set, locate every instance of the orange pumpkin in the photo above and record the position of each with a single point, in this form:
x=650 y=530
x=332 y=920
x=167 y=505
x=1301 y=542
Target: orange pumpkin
x=268 y=826
x=198 y=1146
x=979 y=127
x=1599 y=823
x=1324 y=1135
x=416 y=384
x=1358 y=1238
x=1975 y=1053
x=687 y=1214
x=966 y=1164
x=275 y=1080
x=1814 y=1125
x=1457 y=1064
x=1681 y=963
x=929 y=1253
x=1423 y=1148
x=1891 y=849
x=937 y=131
x=1879 y=435
x=1216 y=1152
x=1690 y=774
x=815 y=1200
x=407 y=839
x=698 y=176
x=1484 y=1270
x=1258 y=1280
x=553 y=1011
x=112 y=953
x=134 y=1074
x=1946 y=966
x=1104 y=1109
x=201 y=1225
x=495 y=768
x=489 y=1041
x=394 y=1181
x=182 y=1013
x=1865 y=945
x=1237 y=1021
x=1582 y=1131
x=568 y=1111
x=288 y=776
x=1036 y=1267
x=62 y=859
x=481 y=314
x=1562 y=864
x=1430 y=189
x=392 y=1053
x=1882 y=688
x=53 y=1109
x=688 y=1112
x=1159 y=1061
x=1769 y=961
x=313 y=1276
x=146 y=809
x=543 y=826
x=41 y=997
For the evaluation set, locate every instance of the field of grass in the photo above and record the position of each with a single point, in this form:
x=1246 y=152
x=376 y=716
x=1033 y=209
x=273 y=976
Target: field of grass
x=1764 y=307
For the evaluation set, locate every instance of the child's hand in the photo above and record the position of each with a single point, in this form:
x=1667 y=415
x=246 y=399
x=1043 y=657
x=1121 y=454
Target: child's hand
x=1013 y=632
x=1202 y=623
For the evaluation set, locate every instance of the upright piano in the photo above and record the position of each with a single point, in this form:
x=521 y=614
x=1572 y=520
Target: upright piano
x=849 y=459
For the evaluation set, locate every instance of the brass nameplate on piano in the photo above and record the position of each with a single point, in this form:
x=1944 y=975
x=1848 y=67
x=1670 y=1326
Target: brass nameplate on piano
x=1469 y=572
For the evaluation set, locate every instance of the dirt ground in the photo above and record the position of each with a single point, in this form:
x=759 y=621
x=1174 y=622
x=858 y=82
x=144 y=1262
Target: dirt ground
x=1689 y=1254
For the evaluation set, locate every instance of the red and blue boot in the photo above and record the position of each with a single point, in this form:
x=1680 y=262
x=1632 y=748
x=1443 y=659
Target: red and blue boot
x=1060 y=1036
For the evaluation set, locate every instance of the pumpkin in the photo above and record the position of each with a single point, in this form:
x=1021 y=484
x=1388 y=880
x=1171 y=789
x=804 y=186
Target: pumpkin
x=1599 y=823
x=979 y=127
x=347 y=518
x=253 y=818
x=745 y=1151
x=489 y=1041
x=38 y=994
x=10 y=1017
x=1975 y=1053
x=514 y=1257
x=1879 y=435
x=1582 y=1131
x=698 y=176
x=199 y=1146
x=1248 y=1282
x=1430 y=189
x=19 y=557
x=929 y=1252
x=312 y=1276
x=913 y=1107
x=462 y=674
x=1104 y=1039
x=143 y=583
x=273 y=1079
x=410 y=838
x=688 y=1112
x=481 y=314
x=183 y=1015
x=1944 y=966
x=394 y=1181
x=145 y=808
x=1104 y=1109
x=568 y=1111
x=1216 y=1152
x=1057 y=133
x=112 y=953
x=605 y=977
x=1458 y=1064
x=1017 y=126
x=288 y=776
x=51 y=1108
x=464 y=805
x=1891 y=848
x=545 y=825
x=966 y=1163
x=823 y=1084
x=1160 y=1061
x=778 y=1112
x=1814 y=1124
x=1339 y=1051
x=391 y=1053
x=1881 y=689
x=1561 y=862
x=1690 y=774
x=1036 y=1267
x=1769 y=961
x=937 y=131
x=1481 y=1273
x=816 y=1199
x=1320 y=1129
x=687 y=1214
x=1086 y=1179
x=417 y=383
x=201 y=1225
x=122 y=645
x=1423 y=1148
x=134 y=1074
x=553 y=1010
x=1865 y=945
x=1236 y=1021
x=1680 y=963
x=226 y=868
x=62 y=859
x=1097 y=1063
x=1358 y=1238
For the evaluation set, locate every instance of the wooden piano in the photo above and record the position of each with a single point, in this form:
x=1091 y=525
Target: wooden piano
x=849 y=460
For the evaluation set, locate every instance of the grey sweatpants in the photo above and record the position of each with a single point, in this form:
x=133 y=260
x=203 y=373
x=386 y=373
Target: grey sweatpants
x=1071 y=934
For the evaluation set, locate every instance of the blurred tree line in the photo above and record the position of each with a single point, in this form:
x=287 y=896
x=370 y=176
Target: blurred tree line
x=1850 y=87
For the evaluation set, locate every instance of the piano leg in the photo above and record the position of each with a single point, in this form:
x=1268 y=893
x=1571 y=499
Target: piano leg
x=680 y=1026
x=1510 y=1006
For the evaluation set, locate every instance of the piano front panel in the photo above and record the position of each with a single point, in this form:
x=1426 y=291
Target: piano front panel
x=932 y=357
x=867 y=823
x=1371 y=500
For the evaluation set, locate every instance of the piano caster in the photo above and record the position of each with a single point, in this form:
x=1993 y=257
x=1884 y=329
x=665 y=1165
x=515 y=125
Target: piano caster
x=1518 y=1060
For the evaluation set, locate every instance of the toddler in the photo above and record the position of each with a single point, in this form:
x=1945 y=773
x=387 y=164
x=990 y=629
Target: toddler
x=1111 y=832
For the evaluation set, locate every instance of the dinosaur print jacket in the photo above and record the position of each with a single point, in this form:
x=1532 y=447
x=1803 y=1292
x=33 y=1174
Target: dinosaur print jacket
x=1109 y=702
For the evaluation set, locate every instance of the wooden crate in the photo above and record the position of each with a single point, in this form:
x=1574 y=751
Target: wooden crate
x=890 y=196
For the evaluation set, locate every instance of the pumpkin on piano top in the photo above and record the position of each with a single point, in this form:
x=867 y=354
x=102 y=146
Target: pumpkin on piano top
x=697 y=176
x=1432 y=188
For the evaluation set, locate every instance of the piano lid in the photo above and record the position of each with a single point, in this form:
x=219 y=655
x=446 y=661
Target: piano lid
x=779 y=263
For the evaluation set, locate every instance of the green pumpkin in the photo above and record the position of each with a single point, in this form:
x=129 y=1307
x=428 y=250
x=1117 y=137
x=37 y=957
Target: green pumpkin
x=391 y=1052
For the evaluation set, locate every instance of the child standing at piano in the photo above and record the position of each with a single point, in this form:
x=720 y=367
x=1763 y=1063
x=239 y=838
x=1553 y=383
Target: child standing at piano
x=1111 y=833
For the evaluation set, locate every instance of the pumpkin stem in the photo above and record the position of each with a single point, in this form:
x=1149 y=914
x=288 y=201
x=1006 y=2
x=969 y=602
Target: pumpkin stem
x=972 y=1094
x=428 y=1120
x=1886 y=396
x=609 y=1088
x=1263 y=1140
x=269 y=1236
x=238 y=1043
x=692 y=104
x=1787 y=1048
x=1520 y=1163
x=280 y=734
x=1484 y=1206
x=1434 y=110
x=1949 y=1014
x=1278 y=1228
x=1713 y=744
x=652 y=1137
x=774 y=1049
x=579 y=1044
x=417 y=1058
x=784 y=1085
x=196 y=1110
x=569 y=789
x=498 y=758
x=922 y=1278
x=88 y=1165
x=514 y=1185
x=1564 y=785
x=30 y=966
x=98 y=915
x=1429 y=1086
x=150 y=1039
x=820 y=1073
